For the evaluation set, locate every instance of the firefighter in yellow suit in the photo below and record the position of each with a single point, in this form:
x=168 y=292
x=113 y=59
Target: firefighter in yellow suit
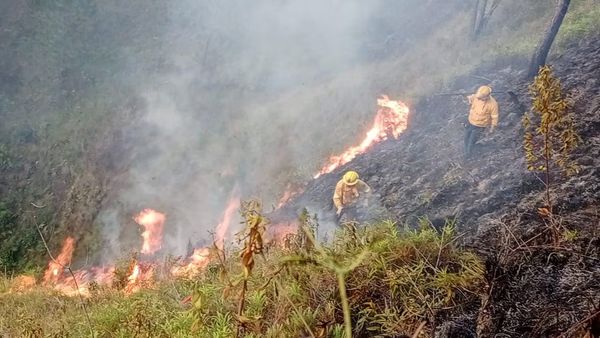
x=483 y=114
x=348 y=191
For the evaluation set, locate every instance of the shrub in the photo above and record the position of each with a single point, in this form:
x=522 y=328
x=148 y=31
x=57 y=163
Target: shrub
x=549 y=139
x=395 y=279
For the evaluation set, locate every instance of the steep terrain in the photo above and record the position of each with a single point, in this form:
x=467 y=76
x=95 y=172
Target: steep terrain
x=80 y=124
x=78 y=155
x=535 y=289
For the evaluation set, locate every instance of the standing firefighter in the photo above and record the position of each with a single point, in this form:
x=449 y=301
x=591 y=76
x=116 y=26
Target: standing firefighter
x=483 y=114
x=349 y=191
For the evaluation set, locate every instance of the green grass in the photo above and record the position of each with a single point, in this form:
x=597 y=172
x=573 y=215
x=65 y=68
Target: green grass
x=429 y=65
x=405 y=277
x=411 y=276
x=63 y=138
x=582 y=20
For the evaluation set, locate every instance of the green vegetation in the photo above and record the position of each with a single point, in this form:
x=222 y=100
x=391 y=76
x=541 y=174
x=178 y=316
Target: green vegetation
x=5 y=158
x=78 y=66
x=12 y=246
x=72 y=75
x=394 y=280
x=550 y=136
x=583 y=19
x=510 y=36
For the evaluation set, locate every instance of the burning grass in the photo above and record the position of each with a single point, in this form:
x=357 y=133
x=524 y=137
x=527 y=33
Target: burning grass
x=390 y=121
x=404 y=278
x=142 y=271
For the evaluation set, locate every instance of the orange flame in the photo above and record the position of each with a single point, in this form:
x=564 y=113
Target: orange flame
x=278 y=233
x=22 y=283
x=202 y=256
x=72 y=287
x=141 y=276
x=290 y=192
x=391 y=119
x=103 y=275
x=55 y=268
x=197 y=262
x=153 y=222
x=132 y=279
x=78 y=283
x=223 y=226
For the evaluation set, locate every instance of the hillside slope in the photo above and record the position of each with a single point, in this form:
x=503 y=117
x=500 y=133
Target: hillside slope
x=494 y=198
x=76 y=89
x=424 y=173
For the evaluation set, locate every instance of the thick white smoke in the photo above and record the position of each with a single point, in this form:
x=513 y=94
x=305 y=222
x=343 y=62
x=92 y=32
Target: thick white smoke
x=251 y=94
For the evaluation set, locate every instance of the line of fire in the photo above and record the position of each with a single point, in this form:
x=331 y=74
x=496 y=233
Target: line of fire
x=146 y=267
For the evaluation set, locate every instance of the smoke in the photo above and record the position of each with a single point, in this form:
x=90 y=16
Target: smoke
x=250 y=96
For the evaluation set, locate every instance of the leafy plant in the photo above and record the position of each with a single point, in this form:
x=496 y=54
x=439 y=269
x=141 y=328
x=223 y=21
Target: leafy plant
x=13 y=241
x=549 y=139
x=340 y=265
x=308 y=227
x=570 y=235
x=383 y=281
x=253 y=245
x=550 y=135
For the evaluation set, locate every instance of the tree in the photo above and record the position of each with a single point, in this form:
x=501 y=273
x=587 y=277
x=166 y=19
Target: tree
x=543 y=48
x=550 y=135
x=482 y=14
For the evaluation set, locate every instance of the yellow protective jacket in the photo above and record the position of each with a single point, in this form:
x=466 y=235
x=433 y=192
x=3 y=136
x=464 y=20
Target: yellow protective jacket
x=345 y=195
x=483 y=112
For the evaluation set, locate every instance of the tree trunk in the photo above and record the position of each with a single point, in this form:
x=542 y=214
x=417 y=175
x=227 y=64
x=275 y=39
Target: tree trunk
x=474 y=21
x=541 y=52
x=482 y=15
x=480 y=18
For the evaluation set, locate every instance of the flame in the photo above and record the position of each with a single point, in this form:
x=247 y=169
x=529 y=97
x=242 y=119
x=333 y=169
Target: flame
x=197 y=262
x=290 y=192
x=72 y=287
x=141 y=276
x=391 y=119
x=78 y=283
x=201 y=257
x=153 y=222
x=223 y=226
x=103 y=275
x=279 y=234
x=22 y=283
x=55 y=268
x=133 y=277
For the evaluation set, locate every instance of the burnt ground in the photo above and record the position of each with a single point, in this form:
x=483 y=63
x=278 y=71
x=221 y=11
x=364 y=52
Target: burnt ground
x=536 y=288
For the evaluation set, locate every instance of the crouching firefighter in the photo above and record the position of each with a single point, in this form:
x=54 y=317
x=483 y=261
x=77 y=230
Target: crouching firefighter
x=351 y=197
x=483 y=114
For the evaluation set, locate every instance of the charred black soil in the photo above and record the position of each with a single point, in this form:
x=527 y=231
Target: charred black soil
x=535 y=288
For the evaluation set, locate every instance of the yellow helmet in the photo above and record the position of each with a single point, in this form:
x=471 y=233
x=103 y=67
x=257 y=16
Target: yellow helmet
x=483 y=92
x=350 y=177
